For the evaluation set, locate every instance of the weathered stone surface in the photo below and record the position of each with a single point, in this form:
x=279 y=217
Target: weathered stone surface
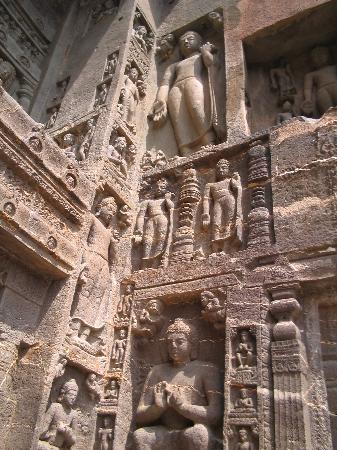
x=168 y=224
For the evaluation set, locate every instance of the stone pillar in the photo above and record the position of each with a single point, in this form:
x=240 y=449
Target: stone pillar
x=189 y=197
x=289 y=365
x=259 y=218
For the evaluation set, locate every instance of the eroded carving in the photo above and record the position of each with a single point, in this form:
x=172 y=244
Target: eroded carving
x=226 y=196
x=154 y=225
x=322 y=81
x=244 y=351
x=94 y=387
x=131 y=93
x=120 y=153
x=104 y=8
x=86 y=337
x=94 y=280
x=101 y=94
x=52 y=117
x=213 y=311
x=153 y=159
x=60 y=420
x=282 y=81
x=150 y=320
x=190 y=103
x=165 y=46
x=105 y=434
x=7 y=74
x=181 y=399
x=118 y=348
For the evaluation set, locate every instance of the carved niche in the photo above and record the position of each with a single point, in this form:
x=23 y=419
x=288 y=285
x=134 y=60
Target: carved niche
x=121 y=152
x=142 y=33
x=77 y=141
x=155 y=238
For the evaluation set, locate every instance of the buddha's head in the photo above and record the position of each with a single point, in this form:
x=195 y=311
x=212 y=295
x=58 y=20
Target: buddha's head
x=190 y=42
x=320 y=57
x=222 y=169
x=107 y=209
x=181 y=341
x=68 y=392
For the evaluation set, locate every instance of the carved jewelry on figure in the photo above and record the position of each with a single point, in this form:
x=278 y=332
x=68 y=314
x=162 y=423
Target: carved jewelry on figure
x=189 y=101
x=225 y=194
x=154 y=225
x=181 y=399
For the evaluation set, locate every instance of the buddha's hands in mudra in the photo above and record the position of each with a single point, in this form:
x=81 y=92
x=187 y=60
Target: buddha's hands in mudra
x=159 y=113
x=174 y=398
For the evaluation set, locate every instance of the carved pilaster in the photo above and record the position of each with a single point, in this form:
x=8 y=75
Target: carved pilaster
x=258 y=220
x=292 y=423
x=189 y=197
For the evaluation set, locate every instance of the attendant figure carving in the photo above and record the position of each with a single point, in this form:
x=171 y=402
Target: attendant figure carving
x=52 y=118
x=244 y=402
x=150 y=320
x=94 y=386
x=286 y=114
x=112 y=392
x=244 y=442
x=181 y=399
x=86 y=140
x=95 y=278
x=323 y=80
x=213 y=311
x=60 y=368
x=226 y=222
x=154 y=224
x=60 y=420
x=130 y=97
x=282 y=80
x=101 y=95
x=244 y=351
x=118 y=348
x=105 y=435
x=186 y=94
x=116 y=154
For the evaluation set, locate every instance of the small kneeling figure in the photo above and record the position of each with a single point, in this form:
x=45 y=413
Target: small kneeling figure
x=181 y=399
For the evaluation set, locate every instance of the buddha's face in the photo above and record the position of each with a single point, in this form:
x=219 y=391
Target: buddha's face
x=189 y=43
x=243 y=393
x=69 y=397
x=222 y=169
x=179 y=347
x=243 y=435
x=320 y=57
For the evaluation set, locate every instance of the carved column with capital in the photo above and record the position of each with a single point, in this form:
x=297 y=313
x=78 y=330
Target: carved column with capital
x=189 y=197
x=289 y=365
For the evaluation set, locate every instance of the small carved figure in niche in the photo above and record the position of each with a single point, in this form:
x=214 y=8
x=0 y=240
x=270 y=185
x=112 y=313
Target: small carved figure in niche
x=216 y=19
x=112 y=392
x=140 y=34
x=154 y=224
x=244 y=442
x=282 y=81
x=105 y=434
x=7 y=74
x=130 y=97
x=106 y=8
x=86 y=140
x=165 y=46
x=102 y=93
x=124 y=216
x=151 y=319
x=111 y=65
x=70 y=145
x=60 y=420
x=153 y=159
x=244 y=401
x=116 y=154
x=52 y=118
x=226 y=195
x=60 y=368
x=94 y=387
x=79 y=333
x=125 y=303
x=181 y=399
x=213 y=312
x=118 y=348
x=324 y=79
x=186 y=92
x=93 y=294
x=286 y=114
x=244 y=350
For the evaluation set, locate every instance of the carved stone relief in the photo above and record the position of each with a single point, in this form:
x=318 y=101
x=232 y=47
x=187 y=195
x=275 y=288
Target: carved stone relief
x=225 y=195
x=60 y=419
x=154 y=226
x=181 y=399
x=153 y=159
x=142 y=33
x=190 y=104
x=121 y=153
